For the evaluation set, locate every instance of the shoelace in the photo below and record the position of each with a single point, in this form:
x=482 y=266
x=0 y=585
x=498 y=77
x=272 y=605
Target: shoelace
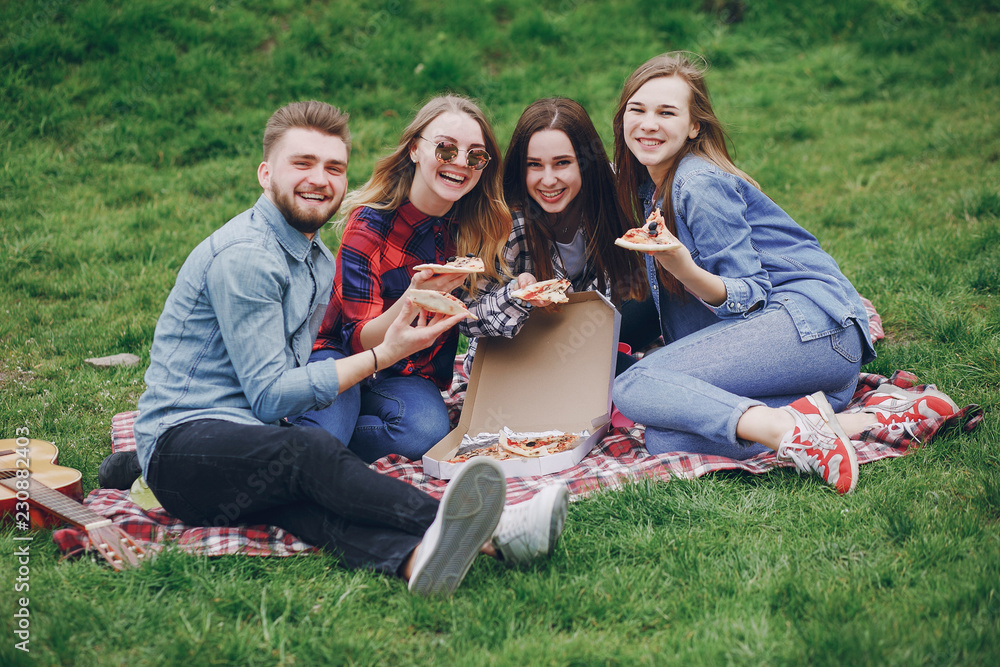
x=906 y=427
x=797 y=452
x=803 y=462
x=885 y=415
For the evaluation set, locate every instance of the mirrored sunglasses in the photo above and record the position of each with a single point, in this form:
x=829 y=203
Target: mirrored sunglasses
x=447 y=152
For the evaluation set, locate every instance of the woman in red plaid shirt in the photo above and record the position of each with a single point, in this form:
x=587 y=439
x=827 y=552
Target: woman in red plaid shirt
x=438 y=195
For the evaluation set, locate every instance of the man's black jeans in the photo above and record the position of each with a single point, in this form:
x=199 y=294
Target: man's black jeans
x=212 y=472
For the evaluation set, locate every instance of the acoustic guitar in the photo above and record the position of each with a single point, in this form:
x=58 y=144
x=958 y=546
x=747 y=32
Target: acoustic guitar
x=52 y=496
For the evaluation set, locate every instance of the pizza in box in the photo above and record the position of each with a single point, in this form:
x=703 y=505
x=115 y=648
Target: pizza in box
x=513 y=446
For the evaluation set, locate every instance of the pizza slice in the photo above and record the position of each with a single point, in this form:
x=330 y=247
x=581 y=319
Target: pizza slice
x=549 y=290
x=468 y=264
x=438 y=302
x=652 y=236
x=492 y=451
x=536 y=446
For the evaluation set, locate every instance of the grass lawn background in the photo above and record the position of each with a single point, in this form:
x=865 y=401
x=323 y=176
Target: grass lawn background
x=131 y=130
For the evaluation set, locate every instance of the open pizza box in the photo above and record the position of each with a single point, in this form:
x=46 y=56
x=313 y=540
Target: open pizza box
x=555 y=374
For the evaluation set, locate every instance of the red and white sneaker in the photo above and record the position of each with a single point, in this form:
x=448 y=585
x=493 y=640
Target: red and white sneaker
x=894 y=405
x=818 y=443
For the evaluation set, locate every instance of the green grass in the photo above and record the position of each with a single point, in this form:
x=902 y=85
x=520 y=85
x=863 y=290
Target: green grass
x=132 y=130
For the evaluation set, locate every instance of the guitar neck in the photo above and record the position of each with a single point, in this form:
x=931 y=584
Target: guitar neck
x=65 y=508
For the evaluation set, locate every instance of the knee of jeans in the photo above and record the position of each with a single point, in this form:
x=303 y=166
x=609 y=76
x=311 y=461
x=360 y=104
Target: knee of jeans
x=622 y=391
x=427 y=429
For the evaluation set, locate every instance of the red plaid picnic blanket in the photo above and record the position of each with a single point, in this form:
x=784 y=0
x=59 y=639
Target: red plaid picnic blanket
x=619 y=458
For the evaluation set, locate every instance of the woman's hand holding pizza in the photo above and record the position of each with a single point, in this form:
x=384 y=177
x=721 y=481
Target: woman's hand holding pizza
x=708 y=287
x=413 y=330
x=526 y=280
x=674 y=258
x=440 y=282
x=374 y=331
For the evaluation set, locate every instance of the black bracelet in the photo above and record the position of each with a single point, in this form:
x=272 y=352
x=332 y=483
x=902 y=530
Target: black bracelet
x=375 y=357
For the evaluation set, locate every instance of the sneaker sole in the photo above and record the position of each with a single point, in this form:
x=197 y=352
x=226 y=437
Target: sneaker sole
x=469 y=512
x=830 y=417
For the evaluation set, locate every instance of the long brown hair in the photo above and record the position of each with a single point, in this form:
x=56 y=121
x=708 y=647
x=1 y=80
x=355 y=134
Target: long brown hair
x=710 y=143
x=602 y=216
x=481 y=219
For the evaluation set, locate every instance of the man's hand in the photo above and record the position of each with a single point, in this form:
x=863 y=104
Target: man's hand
x=411 y=331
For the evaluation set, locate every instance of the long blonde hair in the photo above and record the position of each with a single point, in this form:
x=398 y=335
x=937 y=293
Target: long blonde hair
x=710 y=143
x=481 y=219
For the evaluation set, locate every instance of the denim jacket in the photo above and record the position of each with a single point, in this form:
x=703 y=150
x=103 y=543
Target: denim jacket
x=237 y=330
x=763 y=256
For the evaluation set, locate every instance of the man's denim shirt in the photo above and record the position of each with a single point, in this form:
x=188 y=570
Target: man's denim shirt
x=237 y=330
x=763 y=256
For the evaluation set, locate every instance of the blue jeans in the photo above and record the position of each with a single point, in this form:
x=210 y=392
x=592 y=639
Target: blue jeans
x=640 y=327
x=400 y=414
x=339 y=418
x=691 y=394
x=387 y=414
x=211 y=472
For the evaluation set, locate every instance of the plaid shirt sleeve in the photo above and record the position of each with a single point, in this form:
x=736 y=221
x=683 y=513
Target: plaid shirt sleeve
x=499 y=313
x=358 y=282
x=375 y=264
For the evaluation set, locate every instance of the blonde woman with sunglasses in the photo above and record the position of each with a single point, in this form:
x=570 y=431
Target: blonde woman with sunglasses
x=438 y=195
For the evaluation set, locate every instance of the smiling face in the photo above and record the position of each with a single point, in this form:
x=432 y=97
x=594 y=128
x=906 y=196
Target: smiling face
x=553 y=173
x=306 y=177
x=436 y=186
x=657 y=123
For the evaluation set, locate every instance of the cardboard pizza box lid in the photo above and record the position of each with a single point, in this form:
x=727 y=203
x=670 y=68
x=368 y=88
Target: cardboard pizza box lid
x=555 y=374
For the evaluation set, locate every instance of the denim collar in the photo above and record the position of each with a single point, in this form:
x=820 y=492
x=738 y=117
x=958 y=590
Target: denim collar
x=646 y=190
x=291 y=240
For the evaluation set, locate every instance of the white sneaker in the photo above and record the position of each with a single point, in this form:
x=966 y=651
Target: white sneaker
x=468 y=515
x=531 y=529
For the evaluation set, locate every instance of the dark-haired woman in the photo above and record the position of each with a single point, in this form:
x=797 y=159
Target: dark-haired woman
x=560 y=188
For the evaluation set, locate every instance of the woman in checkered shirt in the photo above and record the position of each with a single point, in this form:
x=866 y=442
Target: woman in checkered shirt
x=560 y=188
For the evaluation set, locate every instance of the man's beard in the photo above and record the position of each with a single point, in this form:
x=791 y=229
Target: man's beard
x=305 y=223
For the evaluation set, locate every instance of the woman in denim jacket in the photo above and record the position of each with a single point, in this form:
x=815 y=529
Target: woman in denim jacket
x=765 y=336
